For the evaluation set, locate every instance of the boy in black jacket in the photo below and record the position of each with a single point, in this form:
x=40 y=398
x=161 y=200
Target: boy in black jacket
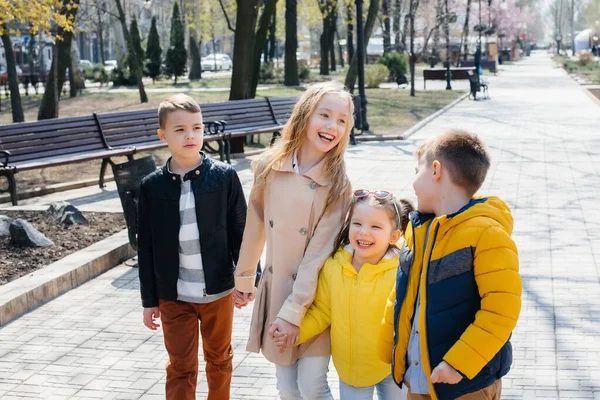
x=192 y=214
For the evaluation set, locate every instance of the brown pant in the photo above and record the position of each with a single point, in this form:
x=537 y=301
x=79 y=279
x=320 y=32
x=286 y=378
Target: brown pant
x=180 y=327
x=491 y=392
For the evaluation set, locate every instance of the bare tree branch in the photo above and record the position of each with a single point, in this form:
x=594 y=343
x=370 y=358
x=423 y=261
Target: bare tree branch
x=226 y=17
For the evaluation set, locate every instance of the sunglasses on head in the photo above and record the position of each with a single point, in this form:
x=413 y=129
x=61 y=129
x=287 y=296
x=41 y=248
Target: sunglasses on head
x=379 y=195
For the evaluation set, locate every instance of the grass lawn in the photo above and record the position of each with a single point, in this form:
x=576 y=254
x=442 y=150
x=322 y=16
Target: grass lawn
x=390 y=112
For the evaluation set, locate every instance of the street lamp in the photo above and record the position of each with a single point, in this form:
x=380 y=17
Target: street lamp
x=360 y=54
x=447 y=29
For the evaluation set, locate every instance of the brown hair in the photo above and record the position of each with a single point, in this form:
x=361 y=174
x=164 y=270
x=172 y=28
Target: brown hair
x=174 y=103
x=464 y=155
x=404 y=206
x=294 y=135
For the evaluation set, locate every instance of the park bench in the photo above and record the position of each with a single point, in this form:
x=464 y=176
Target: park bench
x=49 y=143
x=439 y=74
x=485 y=64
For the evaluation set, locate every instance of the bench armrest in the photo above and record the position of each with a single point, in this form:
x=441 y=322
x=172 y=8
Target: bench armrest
x=6 y=155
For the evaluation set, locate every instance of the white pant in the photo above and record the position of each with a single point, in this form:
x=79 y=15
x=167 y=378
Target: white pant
x=305 y=380
x=386 y=390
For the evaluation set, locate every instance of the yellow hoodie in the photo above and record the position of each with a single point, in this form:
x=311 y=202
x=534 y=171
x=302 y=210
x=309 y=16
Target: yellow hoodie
x=352 y=303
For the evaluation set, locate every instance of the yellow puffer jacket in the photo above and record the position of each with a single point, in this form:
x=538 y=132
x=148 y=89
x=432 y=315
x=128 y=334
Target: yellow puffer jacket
x=352 y=303
x=468 y=275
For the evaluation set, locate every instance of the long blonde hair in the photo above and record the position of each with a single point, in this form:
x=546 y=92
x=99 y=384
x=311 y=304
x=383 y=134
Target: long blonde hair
x=294 y=134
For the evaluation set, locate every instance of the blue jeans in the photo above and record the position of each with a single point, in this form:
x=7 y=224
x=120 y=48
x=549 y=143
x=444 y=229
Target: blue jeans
x=305 y=380
x=386 y=390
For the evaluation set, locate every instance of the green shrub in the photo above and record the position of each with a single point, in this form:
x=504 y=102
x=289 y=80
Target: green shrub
x=266 y=72
x=303 y=71
x=397 y=65
x=375 y=74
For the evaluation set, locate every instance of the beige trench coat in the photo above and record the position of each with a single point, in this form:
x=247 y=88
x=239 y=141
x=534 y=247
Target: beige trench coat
x=299 y=237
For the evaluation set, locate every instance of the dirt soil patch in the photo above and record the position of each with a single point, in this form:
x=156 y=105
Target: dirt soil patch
x=19 y=261
x=595 y=92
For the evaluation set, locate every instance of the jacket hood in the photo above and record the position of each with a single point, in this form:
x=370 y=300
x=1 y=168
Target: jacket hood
x=489 y=207
x=343 y=258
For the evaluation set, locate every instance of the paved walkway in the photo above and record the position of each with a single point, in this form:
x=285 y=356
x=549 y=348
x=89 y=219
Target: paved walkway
x=543 y=134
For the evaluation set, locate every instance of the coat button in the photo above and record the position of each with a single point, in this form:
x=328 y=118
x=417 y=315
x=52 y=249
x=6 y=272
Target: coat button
x=294 y=276
x=313 y=185
x=197 y=172
x=271 y=223
x=174 y=178
x=416 y=362
x=303 y=231
x=271 y=270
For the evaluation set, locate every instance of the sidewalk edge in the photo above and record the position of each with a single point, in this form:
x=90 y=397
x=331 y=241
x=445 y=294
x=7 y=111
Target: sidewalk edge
x=32 y=290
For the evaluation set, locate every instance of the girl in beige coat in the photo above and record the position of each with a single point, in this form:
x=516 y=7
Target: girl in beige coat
x=298 y=203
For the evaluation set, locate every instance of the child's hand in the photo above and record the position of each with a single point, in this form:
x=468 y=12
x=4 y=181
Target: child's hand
x=280 y=340
x=150 y=314
x=444 y=373
x=291 y=331
x=241 y=299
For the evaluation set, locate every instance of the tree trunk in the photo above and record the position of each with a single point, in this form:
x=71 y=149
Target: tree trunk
x=324 y=66
x=396 y=24
x=387 y=39
x=243 y=57
x=49 y=106
x=100 y=29
x=260 y=40
x=405 y=29
x=133 y=54
x=13 y=79
x=61 y=59
x=273 y=37
x=436 y=34
x=72 y=79
x=291 y=44
x=465 y=34
x=350 y=33
x=414 y=4
x=332 y=28
x=340 y=51
x=352 y=73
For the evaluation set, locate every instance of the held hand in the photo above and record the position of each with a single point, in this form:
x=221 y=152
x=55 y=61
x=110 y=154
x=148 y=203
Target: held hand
x=150 y=314
x=284 y=327
x=444 y=373
x=280 y=340
x=241 y=299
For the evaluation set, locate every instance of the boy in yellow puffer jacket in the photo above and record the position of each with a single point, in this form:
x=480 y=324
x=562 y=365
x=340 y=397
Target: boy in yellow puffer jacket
x=457 y=296
x=352 y=292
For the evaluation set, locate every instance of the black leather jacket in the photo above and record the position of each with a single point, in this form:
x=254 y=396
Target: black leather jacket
x=221 y=216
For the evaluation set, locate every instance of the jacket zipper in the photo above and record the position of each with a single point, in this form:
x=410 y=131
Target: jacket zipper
x=435 y=396
x=352 y=296
x=414 y=247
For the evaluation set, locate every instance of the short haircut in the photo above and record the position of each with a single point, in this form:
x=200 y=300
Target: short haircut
x=463 y=153
x=174 y=103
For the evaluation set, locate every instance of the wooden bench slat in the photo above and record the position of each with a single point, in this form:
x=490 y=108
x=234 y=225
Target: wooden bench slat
x=55 y=136
x=6 y=132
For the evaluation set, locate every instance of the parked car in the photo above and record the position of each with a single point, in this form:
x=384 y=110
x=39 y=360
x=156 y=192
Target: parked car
x=109 y=65
x=84 y=64
x=216 y=62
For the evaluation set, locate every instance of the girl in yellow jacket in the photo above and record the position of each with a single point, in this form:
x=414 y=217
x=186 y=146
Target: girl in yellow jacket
x=352 y=292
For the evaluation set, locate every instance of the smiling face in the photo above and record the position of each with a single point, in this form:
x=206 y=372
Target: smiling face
x=327 y=124
x=371 y=232
x=184 y=134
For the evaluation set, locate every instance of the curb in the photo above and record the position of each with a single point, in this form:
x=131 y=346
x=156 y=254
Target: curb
x=30 y=291
x=591 y=96
x=412 y=130
x=58 y=187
